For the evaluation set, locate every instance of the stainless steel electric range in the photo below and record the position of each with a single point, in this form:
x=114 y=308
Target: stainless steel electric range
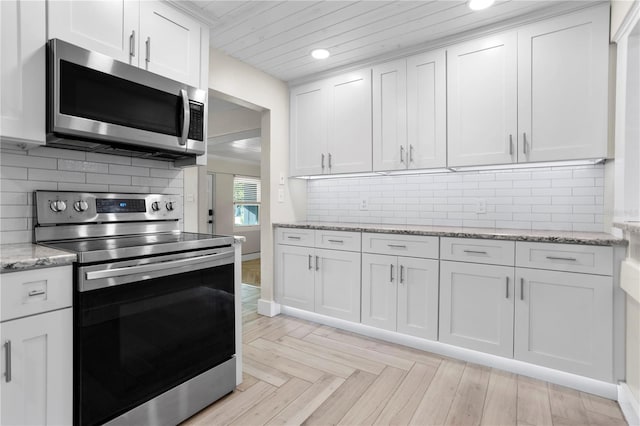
x=154 y=313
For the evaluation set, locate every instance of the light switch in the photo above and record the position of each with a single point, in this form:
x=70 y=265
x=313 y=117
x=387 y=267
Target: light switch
x=281 y=178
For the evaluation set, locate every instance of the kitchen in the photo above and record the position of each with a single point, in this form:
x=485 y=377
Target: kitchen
x=288 y=201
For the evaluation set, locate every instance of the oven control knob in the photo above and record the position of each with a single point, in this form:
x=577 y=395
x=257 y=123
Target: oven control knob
x=80 y=206
x=170 y=205
x=58 y=206
x=155 y=206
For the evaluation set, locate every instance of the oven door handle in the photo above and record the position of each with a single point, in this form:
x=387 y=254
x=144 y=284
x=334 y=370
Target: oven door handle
x=160 y=266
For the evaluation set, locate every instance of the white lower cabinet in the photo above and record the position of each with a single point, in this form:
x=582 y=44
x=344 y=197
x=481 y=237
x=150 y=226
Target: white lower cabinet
x=564 y=321
x=476 y=306
x=400 y=294
x=294 y=269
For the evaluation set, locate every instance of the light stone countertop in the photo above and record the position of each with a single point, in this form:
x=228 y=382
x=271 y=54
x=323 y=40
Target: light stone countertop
x=18 y=257
x=566 y=237
x=632 y=226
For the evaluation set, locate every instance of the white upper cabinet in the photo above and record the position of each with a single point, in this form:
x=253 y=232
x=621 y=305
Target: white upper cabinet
x=427 y=110
x=562 y=87
x=409 y=113
x=108 y=27
x=349 y=120
x=22 y=72
x=308 y=129
x=148 y=34
x=482 y=101
x=169 y=42
x=538 y=94
x=331 y=125
x=390 y=116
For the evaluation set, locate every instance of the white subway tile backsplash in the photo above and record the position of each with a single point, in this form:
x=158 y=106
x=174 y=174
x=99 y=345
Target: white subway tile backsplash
x=556 y=198
x=47 y=168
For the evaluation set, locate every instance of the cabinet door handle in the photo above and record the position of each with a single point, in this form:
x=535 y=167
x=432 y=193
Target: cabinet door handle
x=148 y=49
x=329 y=161
x=7 y=360
x=521 y=288
x=410 y=153
x=397 y=245
x=571 y=259
x=391 y=273
x=507 y=288
x=37 y=292
x=401 y=274
x=336 y=241
x=322 y=161
x=317 y=263
x=401 y=153
x=524 y=143
x=475 y=251
x=510 y=144
x=132 y=44
x=310 y=260
x=293 y=237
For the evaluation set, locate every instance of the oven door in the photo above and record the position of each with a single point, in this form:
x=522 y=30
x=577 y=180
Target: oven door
x=137 y=340
x=96 y=97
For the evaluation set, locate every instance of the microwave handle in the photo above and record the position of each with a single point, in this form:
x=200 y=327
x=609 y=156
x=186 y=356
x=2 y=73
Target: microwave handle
x=186 y=114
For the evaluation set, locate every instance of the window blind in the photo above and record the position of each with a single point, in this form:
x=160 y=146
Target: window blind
x=246 y=190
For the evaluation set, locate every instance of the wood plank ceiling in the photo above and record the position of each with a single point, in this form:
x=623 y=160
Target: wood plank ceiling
x=278 y=36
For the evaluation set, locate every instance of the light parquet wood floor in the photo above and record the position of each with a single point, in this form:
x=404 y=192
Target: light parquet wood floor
x=299 y=372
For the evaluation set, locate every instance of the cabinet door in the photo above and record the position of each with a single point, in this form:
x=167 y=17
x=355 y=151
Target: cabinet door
x=482 y=101
x=476 y=307
x=308 y=145
x=294 y=276
x=22 y=71
x=349 y=143
x=108 y=27
x=169 y=42
x=418 y=297
x=337 y=284
x=562 y=87
x=564 y=321
x=427 y=110
x=379 y=291
x=390 y=150
x=40 y=389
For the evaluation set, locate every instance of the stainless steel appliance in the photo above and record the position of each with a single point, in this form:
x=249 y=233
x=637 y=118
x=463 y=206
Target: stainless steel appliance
x=96 y=103
x=154 y=308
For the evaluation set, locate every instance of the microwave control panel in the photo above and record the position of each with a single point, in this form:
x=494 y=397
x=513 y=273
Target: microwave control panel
x=196 y=122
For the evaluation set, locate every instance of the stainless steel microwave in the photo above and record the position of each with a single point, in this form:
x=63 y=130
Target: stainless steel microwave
x=96 y=103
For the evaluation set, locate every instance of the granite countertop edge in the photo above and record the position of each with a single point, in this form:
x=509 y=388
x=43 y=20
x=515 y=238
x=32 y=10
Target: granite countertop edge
x=567 y=237
x=631 y=226
x=25 y=256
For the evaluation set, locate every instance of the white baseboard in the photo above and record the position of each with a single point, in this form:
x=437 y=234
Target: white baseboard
x=584 y=384
x=268 y=308
x=250 y=256
x=629 y=405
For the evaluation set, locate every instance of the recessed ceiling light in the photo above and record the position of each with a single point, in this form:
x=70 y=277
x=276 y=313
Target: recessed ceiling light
x=320 y=53
x=479 y=4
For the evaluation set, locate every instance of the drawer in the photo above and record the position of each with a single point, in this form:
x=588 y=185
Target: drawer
x=400 y=245
x=495 y=252
x=35 y=291
x=295 y=236
x=338 y=240
x=565 y=257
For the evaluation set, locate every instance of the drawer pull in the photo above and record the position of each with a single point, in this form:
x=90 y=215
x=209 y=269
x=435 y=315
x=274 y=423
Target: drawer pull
x=397 y=246
x=475 y=251
x=571 y=259
x=293 y=238
x=7 y=360
x=507 y=288
x=336 y=241
x=36 y=293
x=521 y=288
x=310 y=260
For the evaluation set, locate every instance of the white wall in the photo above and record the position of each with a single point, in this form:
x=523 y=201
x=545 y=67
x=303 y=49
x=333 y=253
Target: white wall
x=23 y=172
x=232 y=121
x=557 y=198
x=239 y=80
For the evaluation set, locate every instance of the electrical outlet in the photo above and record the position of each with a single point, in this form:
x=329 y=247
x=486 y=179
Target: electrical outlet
x=364 y=204
x=481 y=206
x=280 y=195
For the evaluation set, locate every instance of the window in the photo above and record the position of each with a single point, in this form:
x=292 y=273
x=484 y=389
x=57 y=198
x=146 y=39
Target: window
x=246 y=201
